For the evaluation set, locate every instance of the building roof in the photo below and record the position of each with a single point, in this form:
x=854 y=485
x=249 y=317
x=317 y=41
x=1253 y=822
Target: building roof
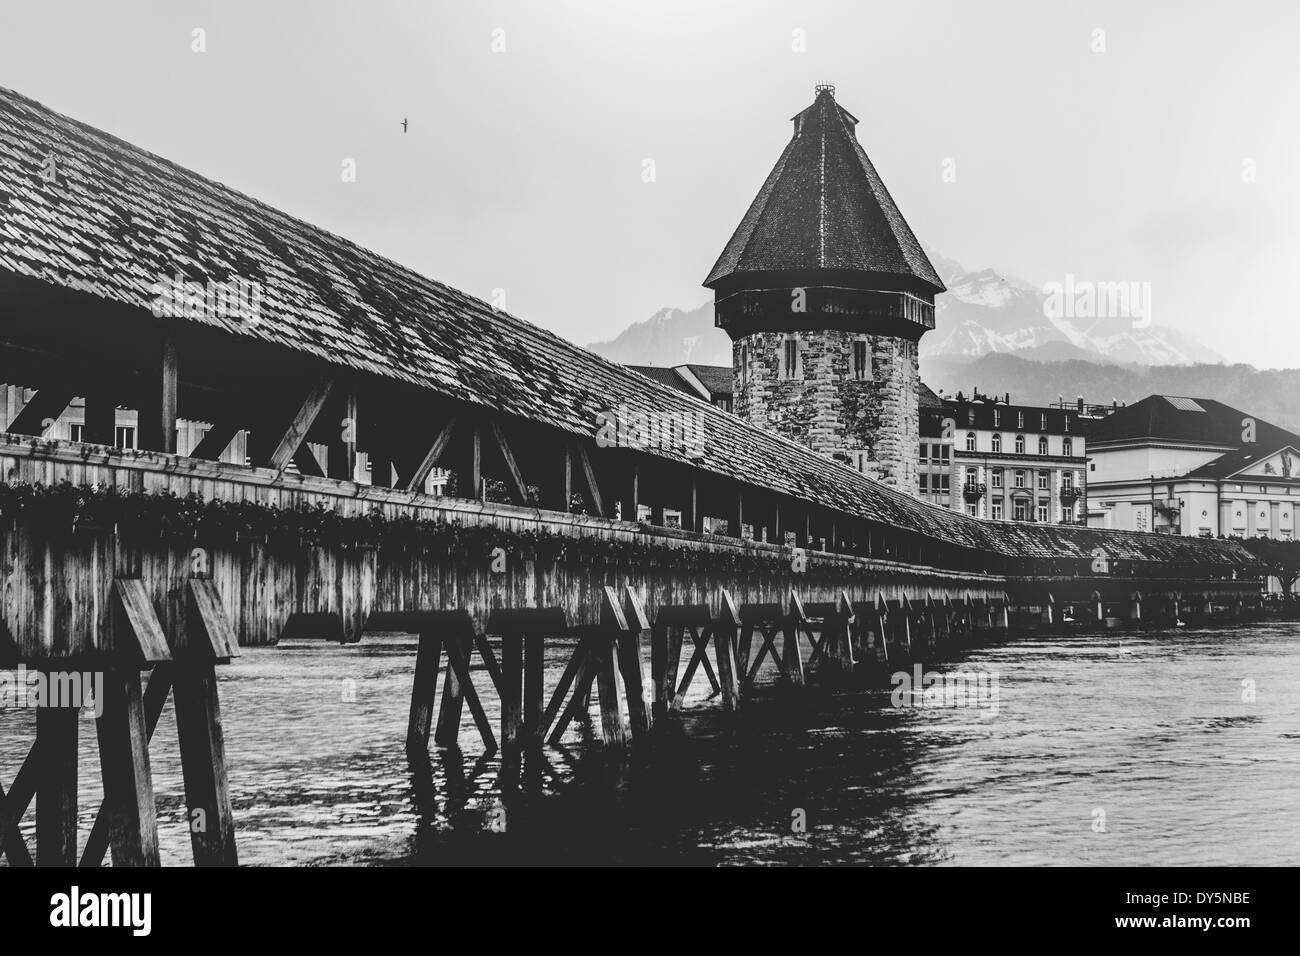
x=824 y=207
x=1175 y=418
x=717 y=379
x=665 y=375
x=119 y=220
x=1234 y=462
x=928 y=399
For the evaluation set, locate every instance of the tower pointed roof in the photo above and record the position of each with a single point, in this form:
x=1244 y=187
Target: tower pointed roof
x=824 y=207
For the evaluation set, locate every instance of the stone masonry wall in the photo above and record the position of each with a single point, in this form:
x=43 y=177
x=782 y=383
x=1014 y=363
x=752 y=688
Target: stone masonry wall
x=826 y=408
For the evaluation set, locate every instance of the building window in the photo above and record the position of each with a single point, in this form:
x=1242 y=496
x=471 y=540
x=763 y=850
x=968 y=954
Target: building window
x=1042 y=512
x=925 y=483
x=744 y=364
x=1020 y=419
x=1042 y=444
x=943 y=487
x=970 y=417
x=997 y=510
x=997 y=418
x=1020 y=511
x=996 y=475
x=1067 y=447
x=1042 y=480
x=1043 y=424
x=1020 y=444
x=946 y=452
x=1067 y=424
x=997 y=442
x=970 y=510
x=970 y=441
x=791 y=367
x=75 y=431
x=971 y=475
x=925 y=451
x=124 y=436
x=860 y=459
x=1020 y=478
x=1067 y=480
x=861 y=363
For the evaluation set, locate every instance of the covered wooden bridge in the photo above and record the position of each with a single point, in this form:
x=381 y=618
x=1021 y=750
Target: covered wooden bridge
x=131 y=283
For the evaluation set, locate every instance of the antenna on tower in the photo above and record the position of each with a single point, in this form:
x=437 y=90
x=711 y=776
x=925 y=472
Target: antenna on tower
x=825 y=88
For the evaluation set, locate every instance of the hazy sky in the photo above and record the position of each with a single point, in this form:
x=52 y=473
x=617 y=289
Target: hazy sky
x=523 y=169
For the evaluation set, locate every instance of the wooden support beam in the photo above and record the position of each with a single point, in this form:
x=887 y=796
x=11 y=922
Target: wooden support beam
x=158 y=401
x=796 y=622
x=156 y=692
x=56 y=793
x=208 y=638
x=514 y=477
x=341 y=452
x=691 y=507
x=100 y=426
x=128 y=808
x=12 y=807
x=632 y=662
x=296 y=434
x=726 y=628
x=218 y=438
x=46 y=405
x=418 y=478
x=589 y=478
x=630 y=500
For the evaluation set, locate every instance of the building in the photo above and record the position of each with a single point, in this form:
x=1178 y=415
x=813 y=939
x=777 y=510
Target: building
x=992 y=459
x=1193 y=466
x=825 y=293
x=709 y=382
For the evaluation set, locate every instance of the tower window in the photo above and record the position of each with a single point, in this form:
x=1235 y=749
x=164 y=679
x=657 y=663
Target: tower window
x=791 y=367
x=861 y=362
x=744 y=364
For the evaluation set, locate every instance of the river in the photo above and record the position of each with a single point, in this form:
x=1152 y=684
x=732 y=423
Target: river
x=1175 y=747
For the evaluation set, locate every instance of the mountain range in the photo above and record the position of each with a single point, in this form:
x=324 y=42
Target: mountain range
x=993 y=331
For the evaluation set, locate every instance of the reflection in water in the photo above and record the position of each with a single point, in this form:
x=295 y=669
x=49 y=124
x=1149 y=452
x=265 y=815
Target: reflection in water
x=1155 y=731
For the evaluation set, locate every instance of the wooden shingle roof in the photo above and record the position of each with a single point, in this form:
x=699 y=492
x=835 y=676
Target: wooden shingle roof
x=824 y=207
x=120 y=219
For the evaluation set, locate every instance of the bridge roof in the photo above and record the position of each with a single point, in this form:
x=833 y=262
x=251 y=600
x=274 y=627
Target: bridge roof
x=120 y=219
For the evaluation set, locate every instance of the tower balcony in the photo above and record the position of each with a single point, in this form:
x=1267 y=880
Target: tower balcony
x=796 y=308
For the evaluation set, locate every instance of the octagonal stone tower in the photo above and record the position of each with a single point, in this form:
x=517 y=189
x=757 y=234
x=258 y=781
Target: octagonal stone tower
x=825 y=293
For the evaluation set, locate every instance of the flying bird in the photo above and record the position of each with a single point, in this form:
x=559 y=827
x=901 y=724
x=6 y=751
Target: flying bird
x=403 y=126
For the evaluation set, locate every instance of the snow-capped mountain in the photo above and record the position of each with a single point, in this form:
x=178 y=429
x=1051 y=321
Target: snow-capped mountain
x=986 y=311
x=983 y=312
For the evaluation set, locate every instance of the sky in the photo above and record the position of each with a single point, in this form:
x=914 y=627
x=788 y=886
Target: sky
x=1150 y=142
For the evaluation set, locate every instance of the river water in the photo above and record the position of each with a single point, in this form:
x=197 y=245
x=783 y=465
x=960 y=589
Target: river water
x=1173 y=747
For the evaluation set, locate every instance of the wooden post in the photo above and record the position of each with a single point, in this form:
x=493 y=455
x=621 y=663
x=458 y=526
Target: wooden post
x=56 y=794
x=630 y=657
x=725 y=630
x=424 y=687
x=630 y=500
x=690 y=508
x=208 y=639
x=795 y=622
x=342 y=451
x=1135 y=606
x=158 y=408
x=613 y=713
x=512 y=661
x=128 y=783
